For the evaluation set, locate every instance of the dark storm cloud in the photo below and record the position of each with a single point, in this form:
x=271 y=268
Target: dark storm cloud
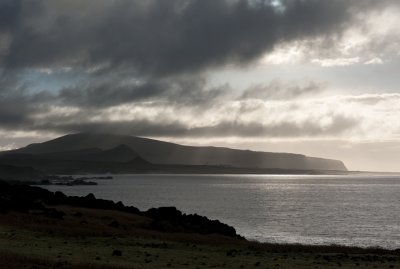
x=17 y=109
x=9 y=11
x=11 y=113
x=176 y=128
x=18 y=104
x=161 y=37
x=133 y=50
x=181 y=91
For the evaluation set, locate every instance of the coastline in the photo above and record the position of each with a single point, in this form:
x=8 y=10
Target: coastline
x=35 y=233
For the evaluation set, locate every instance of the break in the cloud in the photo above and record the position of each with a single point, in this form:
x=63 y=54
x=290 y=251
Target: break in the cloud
x=326 y=117
x=278 y=90
x=372 y=38
x=148 y=68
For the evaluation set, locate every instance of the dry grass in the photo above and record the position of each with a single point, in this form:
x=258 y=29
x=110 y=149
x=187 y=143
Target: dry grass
x=84 y=239
x=96 y=222
x=17 y=261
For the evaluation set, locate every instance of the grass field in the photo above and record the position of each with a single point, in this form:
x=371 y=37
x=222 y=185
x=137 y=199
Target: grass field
x=89 y=238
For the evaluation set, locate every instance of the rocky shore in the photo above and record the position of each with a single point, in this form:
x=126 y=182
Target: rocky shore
x=26 y=199
x=40 y=229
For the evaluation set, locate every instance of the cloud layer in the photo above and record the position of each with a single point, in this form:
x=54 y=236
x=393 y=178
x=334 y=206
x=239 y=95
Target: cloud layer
x=143 y=67
x=158 y=37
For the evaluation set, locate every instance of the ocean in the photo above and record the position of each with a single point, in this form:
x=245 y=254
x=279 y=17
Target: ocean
x=354 y=210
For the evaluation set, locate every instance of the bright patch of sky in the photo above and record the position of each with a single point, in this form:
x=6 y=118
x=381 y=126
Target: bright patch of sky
x=39 y=80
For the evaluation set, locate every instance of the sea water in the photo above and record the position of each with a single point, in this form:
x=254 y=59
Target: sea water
x=356 y=210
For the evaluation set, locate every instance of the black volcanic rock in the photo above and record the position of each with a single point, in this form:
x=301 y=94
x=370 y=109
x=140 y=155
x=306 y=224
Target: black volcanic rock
x=164 y=213
x=159 y=152
x=35 y=200
x=169 y=219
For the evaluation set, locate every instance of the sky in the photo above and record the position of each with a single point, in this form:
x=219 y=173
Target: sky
x=315 y=77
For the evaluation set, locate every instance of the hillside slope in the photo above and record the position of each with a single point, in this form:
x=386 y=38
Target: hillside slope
x=159 y=152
